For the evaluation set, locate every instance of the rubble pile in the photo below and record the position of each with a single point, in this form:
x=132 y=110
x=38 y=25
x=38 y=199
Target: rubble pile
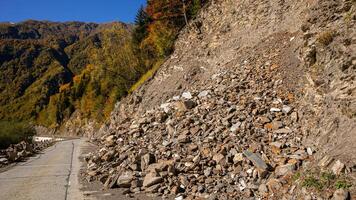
x=237 y=136
x=21 y=150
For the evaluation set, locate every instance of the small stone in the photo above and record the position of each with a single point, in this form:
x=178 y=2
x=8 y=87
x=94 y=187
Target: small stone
x=276 y=125
x=283 y=131
x=286 y=109
x=146 y=160
x=275 y=110
x=151 y=179
x=12 y=155
x=110 y=141
x=189 y=104
x=309 y=151
x=264 y=120
x=256 y=160
x=176 y=98
x=238 y=158
x=111 y=181
x=187 y=95
x=183 y=138
x=124 y=181
x=207 y=172
x=165 y=107
x=274 y=185
x=294 y=116
x=326 y=161
x=235 y=127
x=203 y=94
x=341 y=194
x=179 y=198
x=218 y=157
x=153 y=189
x=184 y=105
x=338 y=167
x=263 y=189
x=242 y=185
x=284 y=170
x=3 y=161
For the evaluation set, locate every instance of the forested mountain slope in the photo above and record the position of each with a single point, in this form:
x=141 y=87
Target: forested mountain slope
x=48 y=70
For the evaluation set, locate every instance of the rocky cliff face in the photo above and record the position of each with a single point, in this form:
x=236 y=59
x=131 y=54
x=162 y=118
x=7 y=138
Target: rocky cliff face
x=257 y=101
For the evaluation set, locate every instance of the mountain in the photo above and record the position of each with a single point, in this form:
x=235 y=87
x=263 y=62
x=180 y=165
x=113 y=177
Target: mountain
x=48 y=70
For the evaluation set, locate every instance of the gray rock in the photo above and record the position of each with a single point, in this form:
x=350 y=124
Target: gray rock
x=125 y=179
x=256 y=160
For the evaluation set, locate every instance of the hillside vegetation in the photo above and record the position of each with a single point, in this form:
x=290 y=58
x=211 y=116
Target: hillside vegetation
x=49 y=70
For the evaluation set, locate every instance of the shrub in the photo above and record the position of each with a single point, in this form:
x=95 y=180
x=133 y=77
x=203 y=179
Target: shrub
x=326 y=37
x=14 y=132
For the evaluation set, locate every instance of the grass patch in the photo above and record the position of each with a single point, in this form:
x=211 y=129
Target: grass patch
x=342 y=184
x=149 y=74
x=322 y=181
x=312 y=182
x=296 y=176
x=14 y=132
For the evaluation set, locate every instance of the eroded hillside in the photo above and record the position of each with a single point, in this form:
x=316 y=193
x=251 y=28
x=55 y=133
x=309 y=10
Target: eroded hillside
x=257 y=101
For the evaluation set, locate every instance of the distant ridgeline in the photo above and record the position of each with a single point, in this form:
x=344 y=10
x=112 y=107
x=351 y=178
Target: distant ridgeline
x=49 y=70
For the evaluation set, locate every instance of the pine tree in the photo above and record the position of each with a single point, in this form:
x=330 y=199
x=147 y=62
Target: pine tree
x=141 y=30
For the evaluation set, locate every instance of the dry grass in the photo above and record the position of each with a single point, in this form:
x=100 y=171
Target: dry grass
x=149 y=74
x=326 y=37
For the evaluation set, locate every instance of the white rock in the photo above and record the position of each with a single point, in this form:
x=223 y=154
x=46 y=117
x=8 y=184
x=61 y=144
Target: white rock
x=338 y=167
x=176 y=98
x=187 y=95
x=275 y=110
x=165 y=107
x=3 y=160
x=235 y=127
x=203 y=94
x=309 y=151
x=242 y=185
x=179 y=198
x=286 y=109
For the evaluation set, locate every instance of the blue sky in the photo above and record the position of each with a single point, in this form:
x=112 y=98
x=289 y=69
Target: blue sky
x=69 y=10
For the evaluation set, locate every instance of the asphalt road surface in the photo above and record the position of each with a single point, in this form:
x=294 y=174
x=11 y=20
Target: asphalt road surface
x=52 y=175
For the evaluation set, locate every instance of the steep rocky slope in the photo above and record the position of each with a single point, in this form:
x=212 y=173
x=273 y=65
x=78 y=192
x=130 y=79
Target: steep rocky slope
x=257 y=101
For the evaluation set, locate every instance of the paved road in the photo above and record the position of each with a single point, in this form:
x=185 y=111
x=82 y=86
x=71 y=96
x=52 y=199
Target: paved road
x=48 y=176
